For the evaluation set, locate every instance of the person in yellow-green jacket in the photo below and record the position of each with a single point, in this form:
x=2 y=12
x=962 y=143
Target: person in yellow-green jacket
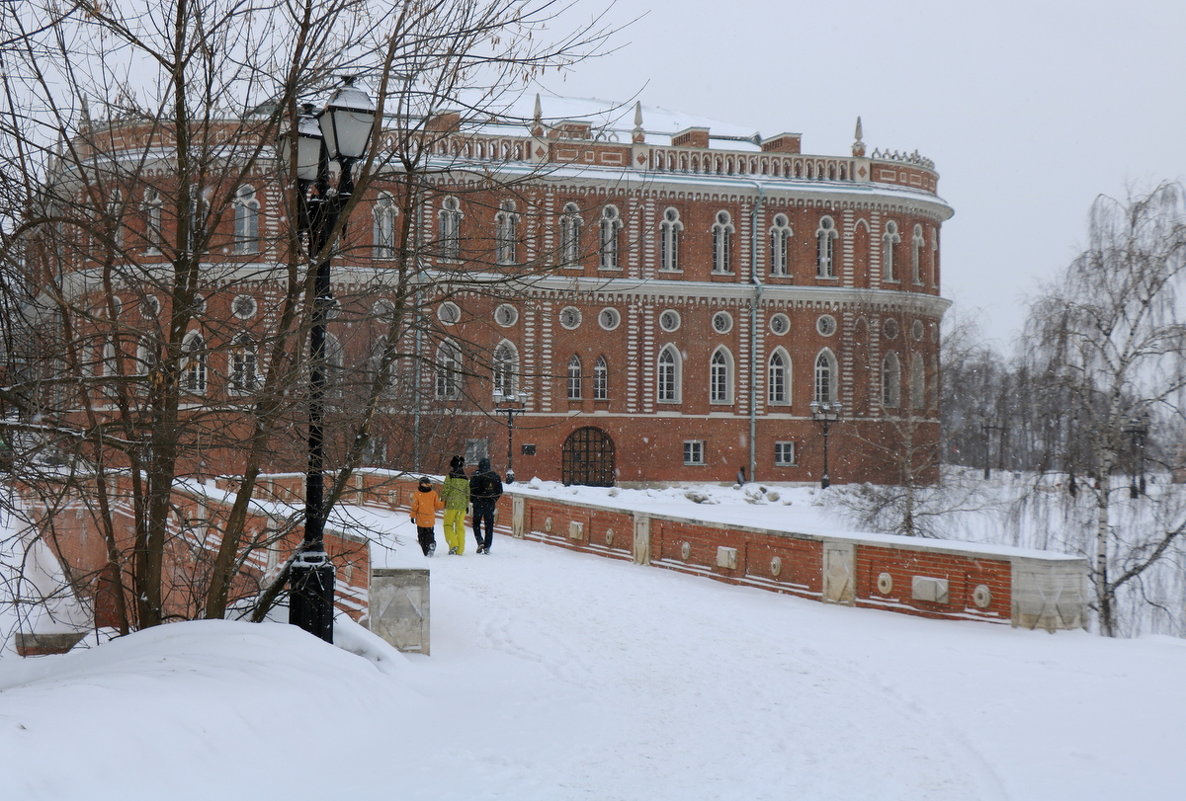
x=425 y=503
x=455 y=494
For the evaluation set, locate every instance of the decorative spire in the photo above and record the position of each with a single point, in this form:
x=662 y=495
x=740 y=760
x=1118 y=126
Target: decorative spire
x=537 y=120
x=639 y=135
x=858 y=147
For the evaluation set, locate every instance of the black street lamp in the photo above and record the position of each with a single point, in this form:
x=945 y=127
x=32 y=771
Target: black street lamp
x=1137 y=430
x=510 y=412
x=340 y=132
x=825 y=413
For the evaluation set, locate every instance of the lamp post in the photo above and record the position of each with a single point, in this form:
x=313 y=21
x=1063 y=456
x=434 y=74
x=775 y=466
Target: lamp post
x=825 y=413
x=340 y=133
x=510 y=412
x=1137 y=430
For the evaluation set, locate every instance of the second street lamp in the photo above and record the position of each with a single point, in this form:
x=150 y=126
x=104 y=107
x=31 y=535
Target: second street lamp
x=825 y=413
x=339 y=133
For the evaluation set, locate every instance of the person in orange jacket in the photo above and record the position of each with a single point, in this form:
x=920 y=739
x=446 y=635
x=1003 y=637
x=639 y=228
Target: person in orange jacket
x=425 y=505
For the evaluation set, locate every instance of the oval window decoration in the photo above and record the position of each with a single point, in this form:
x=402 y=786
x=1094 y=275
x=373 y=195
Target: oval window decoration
x=383 y=307
x=570 y=317
x=609 y=319
x=669 y=320
x=780 y=324
x=449 y=313
x=775 y=566
x=885 y=583
x=506 y=315
x=722 y=322
x=150 y=307
x=826 y=325
x=244 y=307
x=917 y=330
x=891 y=328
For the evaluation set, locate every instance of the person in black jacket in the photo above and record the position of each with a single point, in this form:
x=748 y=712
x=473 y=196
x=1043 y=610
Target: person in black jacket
x=485 y=489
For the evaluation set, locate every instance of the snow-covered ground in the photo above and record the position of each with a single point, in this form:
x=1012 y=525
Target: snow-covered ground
x=557 y=675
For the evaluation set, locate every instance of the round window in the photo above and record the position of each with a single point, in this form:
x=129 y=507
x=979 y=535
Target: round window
x=150 y=307
x=506 y=314
x=722 y=322
x=449 y=313
x=826 y=325
x=243 y=307
x=780 y=324
x=609 y=319
x=891 y=328
x=570 y=317
x=669 y=320
x=383 y=307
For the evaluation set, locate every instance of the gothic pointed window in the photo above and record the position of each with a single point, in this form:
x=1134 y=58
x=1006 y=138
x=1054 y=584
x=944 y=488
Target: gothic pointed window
x=669 y=240
x=722 y=243
x=505 y=372
x=889 y=249
x=720 y=389
x=244 y=372
x=383 y=226
x=611 y=228
x=778 y=378
x=574 y=378
x=916 y=245
x=825 y=377
x=891 y=380
x=601 y=379
x=780 y=240
x=506 y=233
x=570 y=235
x=668 y=377
x=825 y=247
x=246 y=220
x=153 y=233
x=450 y=228
x=448 y=371
x=193 y=363
x=918 y=382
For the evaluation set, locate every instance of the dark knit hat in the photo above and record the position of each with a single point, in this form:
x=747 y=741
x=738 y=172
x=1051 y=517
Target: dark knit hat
x=456 y=462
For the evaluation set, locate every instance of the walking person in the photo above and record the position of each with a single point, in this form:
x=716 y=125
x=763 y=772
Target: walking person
x=485 y=489
x=425 y=503
x=455 y=494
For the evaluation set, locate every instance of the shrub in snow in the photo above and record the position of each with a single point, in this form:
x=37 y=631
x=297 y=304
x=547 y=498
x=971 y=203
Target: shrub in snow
x=696 y=496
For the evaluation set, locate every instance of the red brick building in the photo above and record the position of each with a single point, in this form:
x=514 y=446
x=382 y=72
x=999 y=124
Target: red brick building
x=654 y=301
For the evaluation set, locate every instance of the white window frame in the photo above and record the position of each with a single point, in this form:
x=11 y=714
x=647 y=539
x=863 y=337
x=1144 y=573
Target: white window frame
x=668 y=376
x=601 y=379
x=722 y=243
x=447 y=385
x=825 y=388
x=669 y=240
x=785 y=453
x=889 y=243
x=570 y=235
x=694 y=452
x=505 y=371
x=247 y=213
x=242 y=365
x=383 y=230
x=778 y=378
x=891 y=381
x=506 y=227
x=573 y=376
x=720 y=377
x=825 y=239
x=780 y=242
x=610 y=240
x=194 y=374
x=450 y=228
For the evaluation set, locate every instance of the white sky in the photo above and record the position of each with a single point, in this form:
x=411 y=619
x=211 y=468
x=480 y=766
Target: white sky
x=1029 y=109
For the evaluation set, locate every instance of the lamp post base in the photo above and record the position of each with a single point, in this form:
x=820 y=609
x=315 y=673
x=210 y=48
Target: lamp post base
x=311 y=594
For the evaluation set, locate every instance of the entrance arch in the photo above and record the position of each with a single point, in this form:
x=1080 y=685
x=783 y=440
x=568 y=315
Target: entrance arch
x=588 y=458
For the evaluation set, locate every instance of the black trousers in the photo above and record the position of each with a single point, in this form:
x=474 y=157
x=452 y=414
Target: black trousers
x=484 y=518
x=426 y=536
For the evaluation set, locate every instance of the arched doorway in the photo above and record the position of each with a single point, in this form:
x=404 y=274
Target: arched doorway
x=588 y=458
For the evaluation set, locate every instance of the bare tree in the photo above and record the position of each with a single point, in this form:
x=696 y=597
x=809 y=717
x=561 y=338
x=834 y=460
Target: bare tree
x=138 y=145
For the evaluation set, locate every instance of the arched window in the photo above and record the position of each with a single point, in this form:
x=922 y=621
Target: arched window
x=889 y=243
x=506 y=232
x=891 y=381
x=611 y=227
x=335 y=366
x=825 y=245
x=720 y=376
x=450 y=226
x=918 y=382
x=506 y=369
x=244 y=373
x=601 y=379
x=380 y=377
x=153 y=234
x=574 y=378
x=193 y=363
x=722 y=243
x=384 y=226
x=246 y=220
x=448 y=371
x=146 y=355
x=668 y=388
x=669 y=236
x=825 y=377
x=115 y=214
x=916 y=245
x=570 y=235
x=778 y=378
x=780 y=239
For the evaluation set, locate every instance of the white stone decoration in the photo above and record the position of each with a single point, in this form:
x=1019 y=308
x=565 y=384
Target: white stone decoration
x=726 y=557
x=982 y=596
x=885 y=583
x=926 y=588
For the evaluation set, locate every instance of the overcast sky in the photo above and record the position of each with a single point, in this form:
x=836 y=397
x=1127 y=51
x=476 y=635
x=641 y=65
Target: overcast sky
x=1029 y=109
